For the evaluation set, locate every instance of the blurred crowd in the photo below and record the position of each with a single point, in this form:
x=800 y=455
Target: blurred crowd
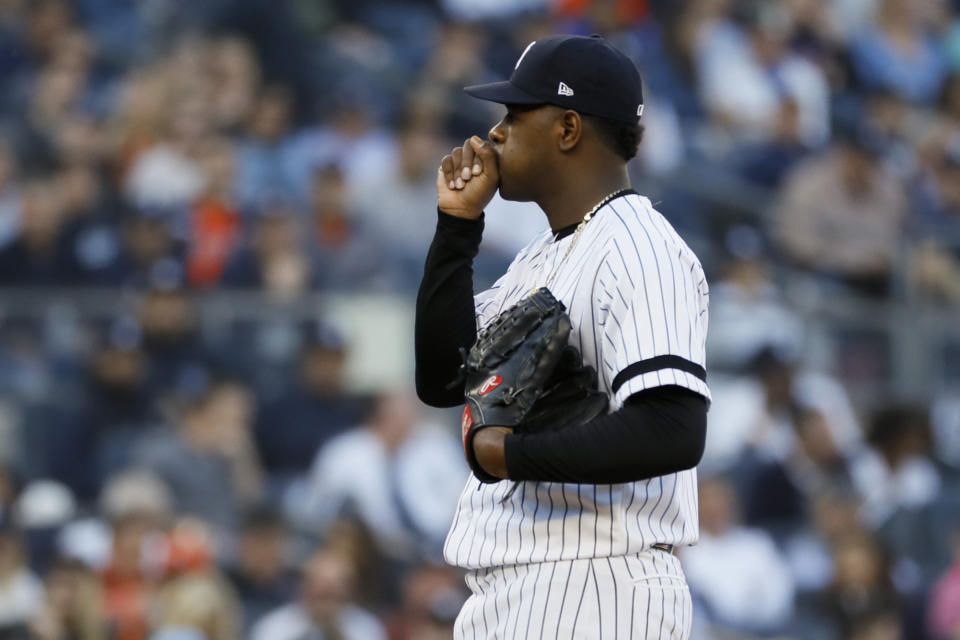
x=168 y=475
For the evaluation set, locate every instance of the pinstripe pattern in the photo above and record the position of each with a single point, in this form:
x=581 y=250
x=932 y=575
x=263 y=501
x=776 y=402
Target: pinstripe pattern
x=639 y=597
x=638 y=299
x=634 y=291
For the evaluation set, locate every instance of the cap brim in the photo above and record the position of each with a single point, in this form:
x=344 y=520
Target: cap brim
x=503 y=92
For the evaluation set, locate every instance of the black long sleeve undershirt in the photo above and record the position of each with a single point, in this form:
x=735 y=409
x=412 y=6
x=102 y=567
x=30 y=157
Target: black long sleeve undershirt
x=446 y=320
x=658 y=431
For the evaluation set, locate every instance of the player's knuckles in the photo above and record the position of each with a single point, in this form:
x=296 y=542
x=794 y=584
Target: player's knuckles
x=443 y=186
x=486 y=152
x=467 y=154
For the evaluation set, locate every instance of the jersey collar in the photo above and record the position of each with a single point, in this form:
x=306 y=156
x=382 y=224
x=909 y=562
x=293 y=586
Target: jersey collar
x=563 y=232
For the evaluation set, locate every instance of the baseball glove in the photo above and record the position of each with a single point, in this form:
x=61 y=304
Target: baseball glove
x=570 y=397
x=521 y=374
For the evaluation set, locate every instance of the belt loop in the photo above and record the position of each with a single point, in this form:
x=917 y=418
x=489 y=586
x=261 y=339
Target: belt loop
x=666 y=548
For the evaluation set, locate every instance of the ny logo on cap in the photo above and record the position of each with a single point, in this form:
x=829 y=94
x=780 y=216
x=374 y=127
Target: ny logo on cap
x=639 y=110
x=564 y=90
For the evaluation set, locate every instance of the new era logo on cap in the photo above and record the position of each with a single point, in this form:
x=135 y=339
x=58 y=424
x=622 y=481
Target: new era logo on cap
x=608 y=83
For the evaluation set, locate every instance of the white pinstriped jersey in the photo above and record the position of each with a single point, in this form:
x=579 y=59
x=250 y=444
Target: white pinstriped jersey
x=637 y=298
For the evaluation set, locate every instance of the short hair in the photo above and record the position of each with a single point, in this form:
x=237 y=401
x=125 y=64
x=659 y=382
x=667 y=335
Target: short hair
x=622 y=138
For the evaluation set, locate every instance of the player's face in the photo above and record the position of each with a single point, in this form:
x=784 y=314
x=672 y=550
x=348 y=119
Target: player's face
x=521 y=140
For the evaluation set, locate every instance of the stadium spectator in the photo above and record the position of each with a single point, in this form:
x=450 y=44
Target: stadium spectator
x=275 y=261
x=935 y=221
x=750 y=79
x=194 y=599
x=896 y=472
x=167 y=316
x=195 y=607
x=396 y=473
x=948 y=107
x=325 y=606
x=767 y=162
x=148 y=251
x=39 y=256
x=432 y=596
x=215 y=224
x=130 y=578
x=293 y=426
x=747 y=311
x=73 y=605
x=862 y=588
x=21 y=592
x=840 y=214
x=83 y=442
x=458 y=58
x=8 y=492
x=754 y=415
x=260 y=573
x=347 y=138
x=261 y=156
x=9 y=195
x=346 y=252
x=401 y=204
x=208 y=459
x=236 y=73
x=736 y=574
x=897 y=53
x=43 y=509
x=781 y=491
x=831 y=515
x=878 y=625
x=943 y=619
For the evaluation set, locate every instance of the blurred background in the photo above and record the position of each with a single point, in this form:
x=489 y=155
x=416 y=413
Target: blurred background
x=213 y=220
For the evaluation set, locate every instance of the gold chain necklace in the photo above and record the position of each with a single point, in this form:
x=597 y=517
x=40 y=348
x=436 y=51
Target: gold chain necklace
x=576 y=235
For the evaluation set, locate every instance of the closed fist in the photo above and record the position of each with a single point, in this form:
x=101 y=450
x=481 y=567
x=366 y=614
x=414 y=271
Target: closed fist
x=467 y=179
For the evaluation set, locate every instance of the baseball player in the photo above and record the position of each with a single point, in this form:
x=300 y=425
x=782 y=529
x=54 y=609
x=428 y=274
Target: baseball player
x=571 y=532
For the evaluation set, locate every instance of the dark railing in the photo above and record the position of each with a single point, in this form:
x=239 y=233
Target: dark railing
x=918 y=342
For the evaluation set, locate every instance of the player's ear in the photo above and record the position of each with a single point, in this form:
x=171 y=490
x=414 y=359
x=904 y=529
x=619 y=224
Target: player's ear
x=570 y=127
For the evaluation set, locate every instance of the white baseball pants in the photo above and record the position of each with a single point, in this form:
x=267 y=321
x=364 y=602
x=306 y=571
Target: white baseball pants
x=643 y=597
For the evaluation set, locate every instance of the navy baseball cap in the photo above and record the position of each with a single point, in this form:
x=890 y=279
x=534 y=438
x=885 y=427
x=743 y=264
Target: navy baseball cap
x=583 y=73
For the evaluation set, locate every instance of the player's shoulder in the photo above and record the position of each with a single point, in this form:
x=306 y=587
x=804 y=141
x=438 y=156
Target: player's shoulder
x=632 y=214
x=633 y=225
x=535 y=244
x=515 y=270
x=529 y=252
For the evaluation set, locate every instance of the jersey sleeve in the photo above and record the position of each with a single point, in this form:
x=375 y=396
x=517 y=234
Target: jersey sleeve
x=652 y=301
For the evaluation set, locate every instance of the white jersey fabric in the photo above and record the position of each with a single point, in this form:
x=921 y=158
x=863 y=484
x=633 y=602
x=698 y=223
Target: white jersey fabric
x=643 y=596
x=637 y=298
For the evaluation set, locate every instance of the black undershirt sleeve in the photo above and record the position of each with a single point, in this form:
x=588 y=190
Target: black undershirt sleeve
x=445 y=317
x=656 y=432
